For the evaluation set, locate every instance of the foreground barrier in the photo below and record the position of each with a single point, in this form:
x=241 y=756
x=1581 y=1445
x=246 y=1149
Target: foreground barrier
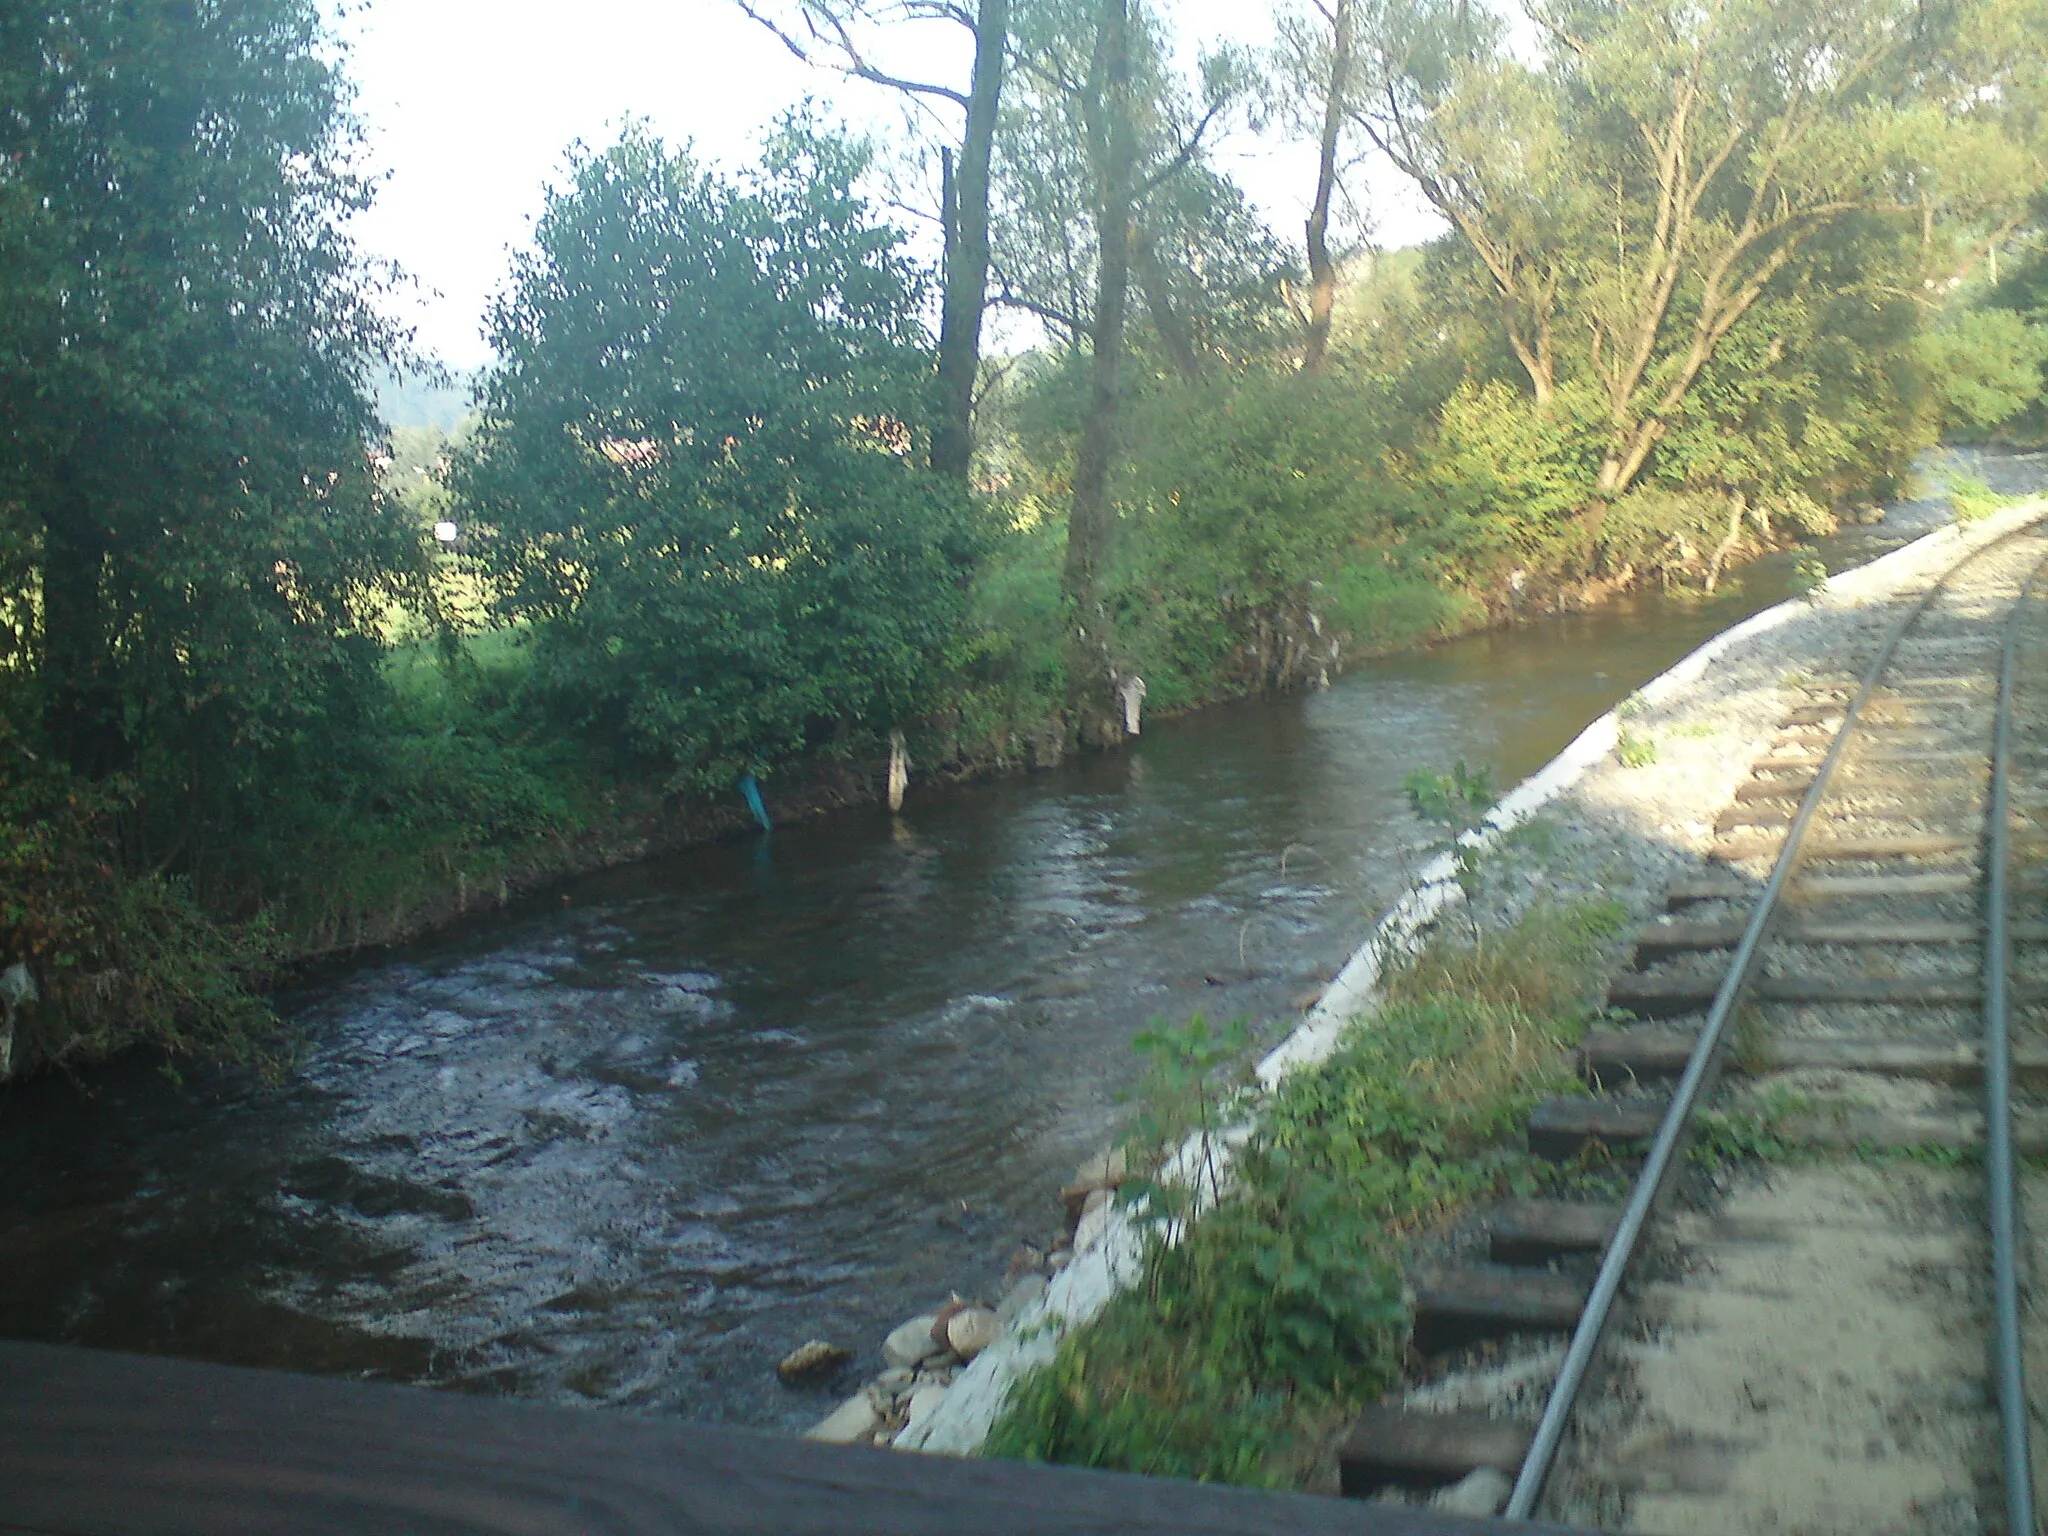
x=101 y=1444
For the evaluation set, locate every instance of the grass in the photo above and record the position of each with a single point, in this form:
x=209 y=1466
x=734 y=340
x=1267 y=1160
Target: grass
x=1283 y=1309
x=472 y=793
x=1974 y=500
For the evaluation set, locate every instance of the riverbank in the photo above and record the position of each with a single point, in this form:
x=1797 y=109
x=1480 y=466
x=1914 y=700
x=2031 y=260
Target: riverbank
x=479 y=809
x=616 y=822
x=1596 y=825
x=612 y=821
x=635 y=1146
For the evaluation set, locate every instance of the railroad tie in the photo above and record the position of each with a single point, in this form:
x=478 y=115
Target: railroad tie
x=1457 y=1308
x=1395 y=1447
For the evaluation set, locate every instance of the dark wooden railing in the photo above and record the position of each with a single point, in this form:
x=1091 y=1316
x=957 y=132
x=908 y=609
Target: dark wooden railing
x=100 y=1444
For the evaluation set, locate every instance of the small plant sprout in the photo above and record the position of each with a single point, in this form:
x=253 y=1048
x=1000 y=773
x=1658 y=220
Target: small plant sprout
x=1458 y=800
x=1186 y=1091
x=1634 y=750
x=1455 y=803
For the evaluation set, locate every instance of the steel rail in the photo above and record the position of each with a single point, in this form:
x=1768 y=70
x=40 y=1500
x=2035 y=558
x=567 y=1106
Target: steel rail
x=1998 y=1152
x=1702 y=1070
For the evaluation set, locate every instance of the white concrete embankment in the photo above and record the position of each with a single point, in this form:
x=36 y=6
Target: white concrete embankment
x=958 y=1422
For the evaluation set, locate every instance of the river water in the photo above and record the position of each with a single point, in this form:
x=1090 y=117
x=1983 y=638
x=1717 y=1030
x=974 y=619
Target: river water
x=631 y=1141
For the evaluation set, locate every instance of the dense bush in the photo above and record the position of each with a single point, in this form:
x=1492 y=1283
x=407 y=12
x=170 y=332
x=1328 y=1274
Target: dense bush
x=1254 y=1329
x=1986 y=364
x=698 y=472
x=117 y=955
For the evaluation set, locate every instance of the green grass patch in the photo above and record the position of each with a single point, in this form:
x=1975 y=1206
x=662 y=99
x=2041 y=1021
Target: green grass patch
x=1974 y=500
x=1384 y=610
x=1282 y=1309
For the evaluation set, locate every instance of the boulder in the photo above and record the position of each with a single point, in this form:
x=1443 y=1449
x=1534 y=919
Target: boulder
x=1028 y=1259
x=1019 y=1296
x=893 y=1384
x=971 y=1330
x=924 y=1400
x=811 y=1363
x=911 y=1344
x=853 y=1422
x=1095 y=1218
x=1479 y=1493
x=1106 y=1170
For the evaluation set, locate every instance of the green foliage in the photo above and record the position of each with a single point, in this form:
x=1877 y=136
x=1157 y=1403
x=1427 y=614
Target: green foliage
x=1753 y=1132
x=1502 y=481
x=1809 y=577
x=699 y=463
x=196 y=563
x=1382 y=608
x=1255 y=1328
x=1456 y=801
x=1205 y=263
x=1985 y=365
x=1182 y=1094
x=1971 y=498
x=1634 y=748
x=1239 y=499
x=118 y=956
x=1005 y=670
x=185 y=336
x=1715 y=323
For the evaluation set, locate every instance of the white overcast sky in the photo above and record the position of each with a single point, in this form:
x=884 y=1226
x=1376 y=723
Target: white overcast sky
x=470 y=105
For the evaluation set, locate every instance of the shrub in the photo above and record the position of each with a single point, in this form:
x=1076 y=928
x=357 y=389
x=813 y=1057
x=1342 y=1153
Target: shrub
x=1282 y=1309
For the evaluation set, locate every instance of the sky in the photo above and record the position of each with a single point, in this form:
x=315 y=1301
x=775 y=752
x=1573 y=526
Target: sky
x=469 y=106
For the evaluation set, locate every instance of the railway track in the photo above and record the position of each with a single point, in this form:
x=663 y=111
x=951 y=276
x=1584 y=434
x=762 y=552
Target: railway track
x=1860 y=974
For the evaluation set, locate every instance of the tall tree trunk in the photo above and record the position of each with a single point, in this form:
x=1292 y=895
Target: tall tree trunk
x=1091 y=524
x=79 y=716
x=1322 y=268
x=966 y=272
x=1168 y=321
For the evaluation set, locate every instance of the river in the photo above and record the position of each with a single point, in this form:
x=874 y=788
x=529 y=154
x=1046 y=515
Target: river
x=632 y=1140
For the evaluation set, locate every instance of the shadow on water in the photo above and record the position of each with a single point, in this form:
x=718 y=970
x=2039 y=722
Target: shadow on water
x=631 y=1141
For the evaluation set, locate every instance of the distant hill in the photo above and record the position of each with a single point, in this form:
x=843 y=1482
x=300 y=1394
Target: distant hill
x=407 y=400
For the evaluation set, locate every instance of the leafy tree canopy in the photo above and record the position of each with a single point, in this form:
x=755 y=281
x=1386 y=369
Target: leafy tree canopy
x=193 y=557
x=700 y=459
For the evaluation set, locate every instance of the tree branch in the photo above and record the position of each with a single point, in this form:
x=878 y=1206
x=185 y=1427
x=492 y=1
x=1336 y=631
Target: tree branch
x=853 y=63
x=1182 y=156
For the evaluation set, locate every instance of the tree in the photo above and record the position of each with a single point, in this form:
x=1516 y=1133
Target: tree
x=700 y=470
x=1314 y=64
x=1638 y=192
x=1112 y=139
x=196 y=559
x=1103 y=186
x=831 y=36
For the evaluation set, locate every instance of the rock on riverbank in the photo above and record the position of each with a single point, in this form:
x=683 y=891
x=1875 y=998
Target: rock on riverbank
x=925 y=1355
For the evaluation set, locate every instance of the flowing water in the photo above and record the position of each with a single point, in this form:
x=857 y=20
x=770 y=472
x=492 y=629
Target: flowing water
x=633 y=1140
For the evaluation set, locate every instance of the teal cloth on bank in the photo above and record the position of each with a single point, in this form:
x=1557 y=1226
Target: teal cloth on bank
x=751 y=789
